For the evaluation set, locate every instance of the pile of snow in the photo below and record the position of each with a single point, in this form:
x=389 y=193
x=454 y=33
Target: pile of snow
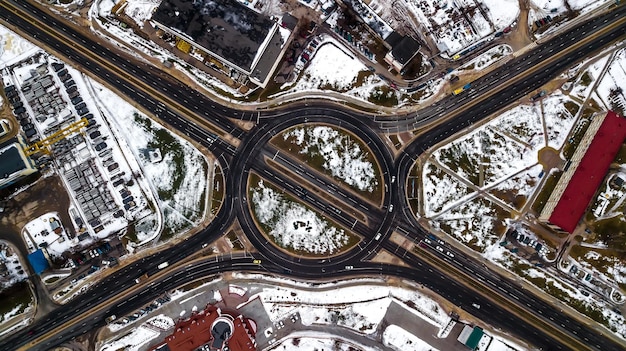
x=401 y=340
x=15 y=271
x=330 y=67
x=293 y=225
x=161 y=321
x=343 y=154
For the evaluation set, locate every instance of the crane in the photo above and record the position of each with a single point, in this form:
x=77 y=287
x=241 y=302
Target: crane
x=43 y=145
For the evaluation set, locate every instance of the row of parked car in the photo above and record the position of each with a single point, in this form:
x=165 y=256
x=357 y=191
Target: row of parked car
x=20 y=112
x=146 y=309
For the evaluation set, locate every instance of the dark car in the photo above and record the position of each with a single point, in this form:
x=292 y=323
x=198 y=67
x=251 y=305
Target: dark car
x=19 y=110
x=82 y=112
x=69 y=83
x=77 y=100
x=18 y=104
x=101 y=146
x=24 y=122
x=28 y=126
x=95 y=134
x=71 y=89
x=29 y=133
x=89 y=116
x=81 y=106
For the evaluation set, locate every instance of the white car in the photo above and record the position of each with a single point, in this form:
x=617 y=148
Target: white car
x=391 y=208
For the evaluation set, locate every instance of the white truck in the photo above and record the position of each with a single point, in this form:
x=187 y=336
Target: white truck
x=163 y=265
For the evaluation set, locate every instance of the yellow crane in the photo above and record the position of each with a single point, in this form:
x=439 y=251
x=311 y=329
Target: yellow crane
x=43 y=145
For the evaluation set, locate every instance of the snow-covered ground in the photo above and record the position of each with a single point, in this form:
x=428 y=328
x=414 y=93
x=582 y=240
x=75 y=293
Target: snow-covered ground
x=180 y=176
x=133 y=340
x=294 y=226
x=401 y=340
x=344 y=156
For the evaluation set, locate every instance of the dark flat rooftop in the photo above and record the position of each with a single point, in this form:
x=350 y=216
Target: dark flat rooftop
x=224 y=27
x=10 y=162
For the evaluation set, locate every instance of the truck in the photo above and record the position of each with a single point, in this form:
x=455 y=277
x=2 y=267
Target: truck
x=537 y=96
x=462 y=89
x=163 y=265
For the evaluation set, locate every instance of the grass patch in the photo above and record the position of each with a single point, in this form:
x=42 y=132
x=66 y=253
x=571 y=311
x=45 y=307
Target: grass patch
x=546 y=191
x=571 y=107
x=572 y=143
x=17 y=295
x=383 y=96
x=52 y=279
x=168 y=144
x=611 y=232
x=586 y=79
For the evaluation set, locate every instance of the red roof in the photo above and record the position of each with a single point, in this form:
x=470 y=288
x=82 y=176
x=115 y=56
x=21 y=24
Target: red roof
x=194 y=332
x=590 y=172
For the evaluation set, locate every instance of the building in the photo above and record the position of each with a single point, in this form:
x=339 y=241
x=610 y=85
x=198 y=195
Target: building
x=403 y=50
x=470 y=336
x=234 y=38
x=14 y=164
x=584 y=172
x=39 y=261
x=211 y=329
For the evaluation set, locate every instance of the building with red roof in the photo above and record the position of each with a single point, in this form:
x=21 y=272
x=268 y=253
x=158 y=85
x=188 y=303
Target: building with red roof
x=584 y=172
x=211 y=329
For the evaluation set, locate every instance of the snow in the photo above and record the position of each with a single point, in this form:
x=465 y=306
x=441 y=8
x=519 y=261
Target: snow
x=502 y=12
x=293 y=225
x=141 y=10
x=38 y=233
x=488 y=58
x=132 y=341
x=401 y=340
x=13 y=48
x=343 y=154
x=330 y=66
x=316 y=342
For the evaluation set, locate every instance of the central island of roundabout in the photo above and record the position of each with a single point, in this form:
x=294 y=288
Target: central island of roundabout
x=313 y=193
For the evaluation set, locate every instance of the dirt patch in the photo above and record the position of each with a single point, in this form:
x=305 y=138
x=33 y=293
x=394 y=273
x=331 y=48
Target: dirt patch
x=45 y=195
x=549 y=158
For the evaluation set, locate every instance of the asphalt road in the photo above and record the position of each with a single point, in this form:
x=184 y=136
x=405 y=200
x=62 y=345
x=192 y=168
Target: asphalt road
x=238 y=163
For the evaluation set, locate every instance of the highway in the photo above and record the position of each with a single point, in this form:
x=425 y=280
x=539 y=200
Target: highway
x=174 y=103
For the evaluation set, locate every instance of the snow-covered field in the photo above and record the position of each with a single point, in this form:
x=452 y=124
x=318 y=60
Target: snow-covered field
x=341 y=155
x=14 y=270
x=294 y=226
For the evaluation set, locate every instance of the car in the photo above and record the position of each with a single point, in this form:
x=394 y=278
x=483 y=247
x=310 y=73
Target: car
x=256 y=261
x=349 y=267
x=391 y=208
x=81 y=106
x=423 y=244
x=450 y=254
x=476 y=306
x=439 y=248
x=71 y=89
x=101 y=146
x=77 y=100
x=306 y=56
x=95 y=134
x=377 y=237
x=29 y=133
